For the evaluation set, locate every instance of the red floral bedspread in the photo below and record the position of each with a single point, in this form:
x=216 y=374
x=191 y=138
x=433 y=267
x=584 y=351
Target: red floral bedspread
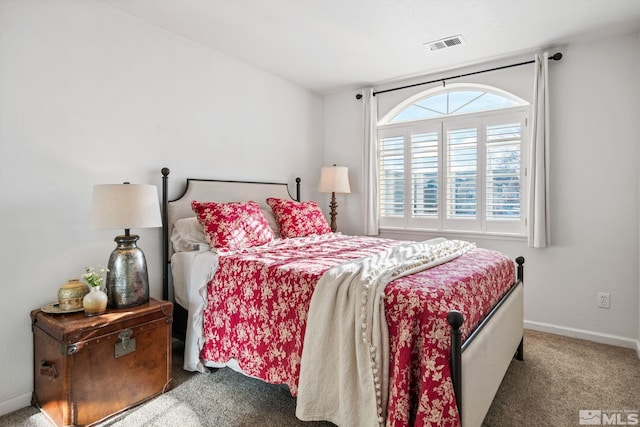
x=258 y=302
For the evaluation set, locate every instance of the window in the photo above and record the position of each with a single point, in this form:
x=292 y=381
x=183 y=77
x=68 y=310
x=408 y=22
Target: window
x=451 y=160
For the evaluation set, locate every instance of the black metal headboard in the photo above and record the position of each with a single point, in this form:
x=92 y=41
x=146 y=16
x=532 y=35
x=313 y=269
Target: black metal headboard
x=210 y=190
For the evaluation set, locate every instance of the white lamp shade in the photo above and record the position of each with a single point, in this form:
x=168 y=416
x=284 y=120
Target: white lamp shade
x=125 y=206
x=334 y=179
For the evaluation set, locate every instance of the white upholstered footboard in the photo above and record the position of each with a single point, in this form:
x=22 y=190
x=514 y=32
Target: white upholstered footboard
x=486 y=359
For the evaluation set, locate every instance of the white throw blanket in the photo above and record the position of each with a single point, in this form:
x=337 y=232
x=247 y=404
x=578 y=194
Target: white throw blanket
x=344 y=367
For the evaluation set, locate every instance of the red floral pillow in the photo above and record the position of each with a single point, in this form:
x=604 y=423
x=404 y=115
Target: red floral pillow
x=233 y=225
x=298 y=219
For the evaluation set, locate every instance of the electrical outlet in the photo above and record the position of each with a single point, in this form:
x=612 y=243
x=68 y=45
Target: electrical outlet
x=603 y=300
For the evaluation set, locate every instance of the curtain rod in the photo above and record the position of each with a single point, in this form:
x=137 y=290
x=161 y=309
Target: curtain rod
x=555 y=56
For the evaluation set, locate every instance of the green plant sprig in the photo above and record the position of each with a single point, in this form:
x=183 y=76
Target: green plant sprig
x=93 y=278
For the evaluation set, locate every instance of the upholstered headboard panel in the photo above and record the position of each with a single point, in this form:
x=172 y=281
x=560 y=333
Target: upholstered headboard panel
x=221 y=191
x=212 y=190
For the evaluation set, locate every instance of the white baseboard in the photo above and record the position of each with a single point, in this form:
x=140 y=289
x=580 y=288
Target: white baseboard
x=15 y=403
x=598 y=337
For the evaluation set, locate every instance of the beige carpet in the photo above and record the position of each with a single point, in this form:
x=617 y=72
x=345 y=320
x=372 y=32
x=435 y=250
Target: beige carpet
x=559 y=377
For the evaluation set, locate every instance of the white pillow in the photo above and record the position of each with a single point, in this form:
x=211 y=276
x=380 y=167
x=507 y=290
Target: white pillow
x=188 y=235
x=271 y=219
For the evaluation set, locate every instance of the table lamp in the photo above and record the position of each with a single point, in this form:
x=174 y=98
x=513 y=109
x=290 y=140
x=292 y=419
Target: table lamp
x=126 y=206
x=334 y=179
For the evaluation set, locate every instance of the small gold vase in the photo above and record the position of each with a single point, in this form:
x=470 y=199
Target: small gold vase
x=70 y=295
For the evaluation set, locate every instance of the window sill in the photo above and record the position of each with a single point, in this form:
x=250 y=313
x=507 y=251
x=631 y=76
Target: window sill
x=413 y=234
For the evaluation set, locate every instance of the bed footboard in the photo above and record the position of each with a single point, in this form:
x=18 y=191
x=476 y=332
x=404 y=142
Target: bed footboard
x=456 y=319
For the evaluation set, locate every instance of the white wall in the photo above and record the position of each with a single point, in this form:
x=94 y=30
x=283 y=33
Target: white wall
x=595 y=186
x=89 y=95
x=638 y=97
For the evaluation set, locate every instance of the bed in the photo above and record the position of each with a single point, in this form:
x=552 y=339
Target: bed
x=441 y=371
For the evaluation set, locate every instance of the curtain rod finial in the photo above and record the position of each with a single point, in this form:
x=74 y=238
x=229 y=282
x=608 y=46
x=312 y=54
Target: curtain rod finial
x=556 y=56
x=359 y=96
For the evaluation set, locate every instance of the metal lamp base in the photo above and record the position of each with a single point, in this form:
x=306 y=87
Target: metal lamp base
x=127 y=278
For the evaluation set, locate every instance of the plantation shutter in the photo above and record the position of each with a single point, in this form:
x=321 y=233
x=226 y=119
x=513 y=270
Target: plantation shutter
x=462 y=173
x=424 y=174
x=503 y=171
x=392 y=179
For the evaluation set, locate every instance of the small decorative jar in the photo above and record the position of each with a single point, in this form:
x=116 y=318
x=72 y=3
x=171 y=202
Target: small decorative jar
x=71 y=294
x=95 y=302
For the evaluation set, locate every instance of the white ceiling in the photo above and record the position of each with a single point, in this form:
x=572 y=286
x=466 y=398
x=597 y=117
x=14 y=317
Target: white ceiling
x=334 y=45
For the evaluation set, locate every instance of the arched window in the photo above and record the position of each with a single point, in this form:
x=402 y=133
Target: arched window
x=450 y=160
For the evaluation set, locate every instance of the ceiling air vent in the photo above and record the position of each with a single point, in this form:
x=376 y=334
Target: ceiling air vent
x=446 y=42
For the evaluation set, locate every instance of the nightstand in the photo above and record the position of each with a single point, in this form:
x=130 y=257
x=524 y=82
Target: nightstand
x=87 y=369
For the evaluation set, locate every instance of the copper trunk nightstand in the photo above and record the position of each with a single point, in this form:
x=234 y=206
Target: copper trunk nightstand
x=87 y=369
